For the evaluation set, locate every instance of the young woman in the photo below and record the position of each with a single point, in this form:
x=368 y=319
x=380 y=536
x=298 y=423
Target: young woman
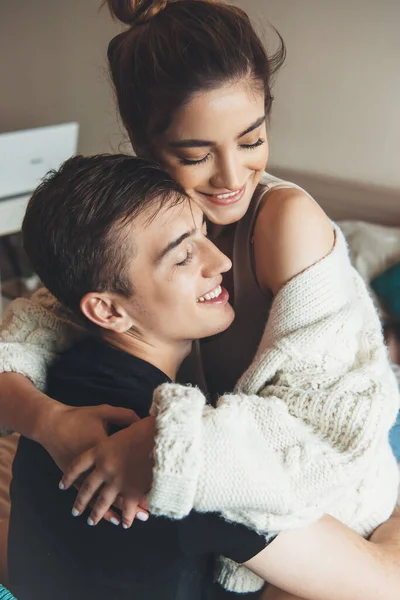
x=193 y=85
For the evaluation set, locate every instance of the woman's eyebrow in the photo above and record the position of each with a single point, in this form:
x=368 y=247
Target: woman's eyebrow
x=193 y=143
x=252 y=127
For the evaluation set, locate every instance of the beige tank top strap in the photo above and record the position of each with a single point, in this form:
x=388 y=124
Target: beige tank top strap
x=243 y=256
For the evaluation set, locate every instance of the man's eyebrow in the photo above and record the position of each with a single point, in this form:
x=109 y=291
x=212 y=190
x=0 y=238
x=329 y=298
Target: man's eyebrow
x=172 y=245
x=206 y=143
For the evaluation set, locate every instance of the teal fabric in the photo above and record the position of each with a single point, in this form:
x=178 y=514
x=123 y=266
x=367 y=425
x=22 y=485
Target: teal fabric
x=5 y=594
x=387 y=287
x=394 y=438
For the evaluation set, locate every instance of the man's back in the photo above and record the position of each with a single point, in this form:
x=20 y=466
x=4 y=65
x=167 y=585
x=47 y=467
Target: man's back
x=52 y=555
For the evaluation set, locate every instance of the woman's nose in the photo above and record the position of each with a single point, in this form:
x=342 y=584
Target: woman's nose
x=229 y=175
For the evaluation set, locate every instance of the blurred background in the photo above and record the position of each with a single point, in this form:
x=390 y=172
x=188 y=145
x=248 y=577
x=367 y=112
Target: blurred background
x=335 y=125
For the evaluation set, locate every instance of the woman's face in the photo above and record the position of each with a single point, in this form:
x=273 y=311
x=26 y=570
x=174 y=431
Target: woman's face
x=216 y=148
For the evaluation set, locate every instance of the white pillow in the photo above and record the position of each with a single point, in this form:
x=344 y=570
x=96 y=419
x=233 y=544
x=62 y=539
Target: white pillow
x=373 y=248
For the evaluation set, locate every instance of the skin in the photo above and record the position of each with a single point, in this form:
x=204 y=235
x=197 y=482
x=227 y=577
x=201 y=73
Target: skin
x=174 y=265
x=226 y=160
x=282 y=249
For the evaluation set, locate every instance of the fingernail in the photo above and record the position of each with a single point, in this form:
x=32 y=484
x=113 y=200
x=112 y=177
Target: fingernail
x=90 y=522
x=142 y=516
x=61 y=486
x=114 y=521
x=75 y=512
x=125 y=526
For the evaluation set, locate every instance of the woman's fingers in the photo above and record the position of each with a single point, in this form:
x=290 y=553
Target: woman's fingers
x=132 y=510
x=143 y=504
x=112 y=517
x=80 y=465
x=87 y=490
x=102 y=504
x=119 y=416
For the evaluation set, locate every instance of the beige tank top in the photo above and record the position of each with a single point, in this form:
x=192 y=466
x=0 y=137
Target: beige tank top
x=216 y=364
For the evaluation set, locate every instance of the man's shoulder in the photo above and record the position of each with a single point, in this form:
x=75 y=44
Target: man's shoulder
x=92 y=373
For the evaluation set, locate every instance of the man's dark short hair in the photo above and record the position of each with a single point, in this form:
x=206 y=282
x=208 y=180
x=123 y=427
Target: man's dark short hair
x=73 y=230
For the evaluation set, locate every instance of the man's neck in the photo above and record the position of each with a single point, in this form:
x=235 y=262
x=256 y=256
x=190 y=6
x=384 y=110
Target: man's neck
x=167 y=357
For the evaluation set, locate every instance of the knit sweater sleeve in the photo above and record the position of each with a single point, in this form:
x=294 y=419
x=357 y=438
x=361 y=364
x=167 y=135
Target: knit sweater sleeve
x=32 y=333
x=304 y=422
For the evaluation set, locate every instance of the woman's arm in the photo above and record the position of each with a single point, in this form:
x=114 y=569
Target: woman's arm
x=229 y=459
x=291 y=233
x=327 y=561
x=273 y=454
x=64 y=431
x=23 y=408
x=32 y=333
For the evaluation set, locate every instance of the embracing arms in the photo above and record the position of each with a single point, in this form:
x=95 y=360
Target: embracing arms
x=316 y=403
x=33 y=332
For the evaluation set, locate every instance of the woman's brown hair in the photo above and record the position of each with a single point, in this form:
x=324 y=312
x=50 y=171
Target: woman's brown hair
x=174 y=48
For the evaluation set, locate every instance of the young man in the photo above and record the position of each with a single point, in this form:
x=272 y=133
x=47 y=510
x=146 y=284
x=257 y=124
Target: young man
x=117 y=241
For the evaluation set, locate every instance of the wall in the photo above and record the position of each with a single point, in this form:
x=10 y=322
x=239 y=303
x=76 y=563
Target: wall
x=338 y=96
x=336 y=112
x=53 y=68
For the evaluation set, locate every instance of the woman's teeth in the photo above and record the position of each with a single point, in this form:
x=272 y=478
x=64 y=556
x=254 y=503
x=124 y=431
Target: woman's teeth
x=230 y=195
x=211 y=295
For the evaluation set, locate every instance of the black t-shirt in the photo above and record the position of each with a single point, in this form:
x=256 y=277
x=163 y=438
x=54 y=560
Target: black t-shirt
x=53 y=556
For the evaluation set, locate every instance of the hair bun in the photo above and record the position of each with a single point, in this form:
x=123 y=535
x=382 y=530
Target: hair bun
x=135 y=12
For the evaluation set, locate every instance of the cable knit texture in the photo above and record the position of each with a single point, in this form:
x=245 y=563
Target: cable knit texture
x=306 y=431
x=32 y=333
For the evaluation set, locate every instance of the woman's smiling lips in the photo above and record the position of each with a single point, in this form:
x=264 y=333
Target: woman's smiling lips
x=226 y=198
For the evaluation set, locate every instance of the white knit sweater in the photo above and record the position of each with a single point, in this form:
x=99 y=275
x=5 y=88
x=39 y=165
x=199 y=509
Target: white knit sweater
x=305 y=433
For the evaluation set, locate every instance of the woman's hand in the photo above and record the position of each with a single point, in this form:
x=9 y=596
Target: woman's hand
x=68 y=431
x=122 y=466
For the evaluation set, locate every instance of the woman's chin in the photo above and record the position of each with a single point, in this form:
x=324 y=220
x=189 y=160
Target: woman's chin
x=225 y=215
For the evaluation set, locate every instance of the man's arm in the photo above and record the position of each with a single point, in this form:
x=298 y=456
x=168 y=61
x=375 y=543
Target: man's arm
x=328 y=561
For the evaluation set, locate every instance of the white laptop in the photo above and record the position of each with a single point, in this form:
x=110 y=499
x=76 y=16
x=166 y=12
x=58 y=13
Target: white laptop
x=26 y=156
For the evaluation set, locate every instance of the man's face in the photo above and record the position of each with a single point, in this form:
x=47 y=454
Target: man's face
x=176 y=276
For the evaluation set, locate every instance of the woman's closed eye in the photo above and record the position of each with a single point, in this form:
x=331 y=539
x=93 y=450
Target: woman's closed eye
x=256 y=144
x=187 y=161
x=199 y=161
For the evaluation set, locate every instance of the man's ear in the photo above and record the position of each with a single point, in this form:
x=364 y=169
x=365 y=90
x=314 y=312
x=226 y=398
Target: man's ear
x=106 y=311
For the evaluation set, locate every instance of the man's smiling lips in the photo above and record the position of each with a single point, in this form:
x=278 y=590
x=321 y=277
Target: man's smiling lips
x=218 y=295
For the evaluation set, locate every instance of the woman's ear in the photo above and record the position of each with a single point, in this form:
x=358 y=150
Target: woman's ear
x=106 y=311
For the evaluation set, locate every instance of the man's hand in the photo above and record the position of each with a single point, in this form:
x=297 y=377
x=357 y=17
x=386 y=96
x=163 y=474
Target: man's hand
x=121 y=466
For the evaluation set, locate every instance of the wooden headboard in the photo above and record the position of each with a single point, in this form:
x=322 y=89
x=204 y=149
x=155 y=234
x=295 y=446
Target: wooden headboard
x=343 y=199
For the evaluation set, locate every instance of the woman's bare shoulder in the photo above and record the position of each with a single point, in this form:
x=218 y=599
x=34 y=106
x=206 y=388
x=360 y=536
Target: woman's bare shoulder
x=292 y=233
